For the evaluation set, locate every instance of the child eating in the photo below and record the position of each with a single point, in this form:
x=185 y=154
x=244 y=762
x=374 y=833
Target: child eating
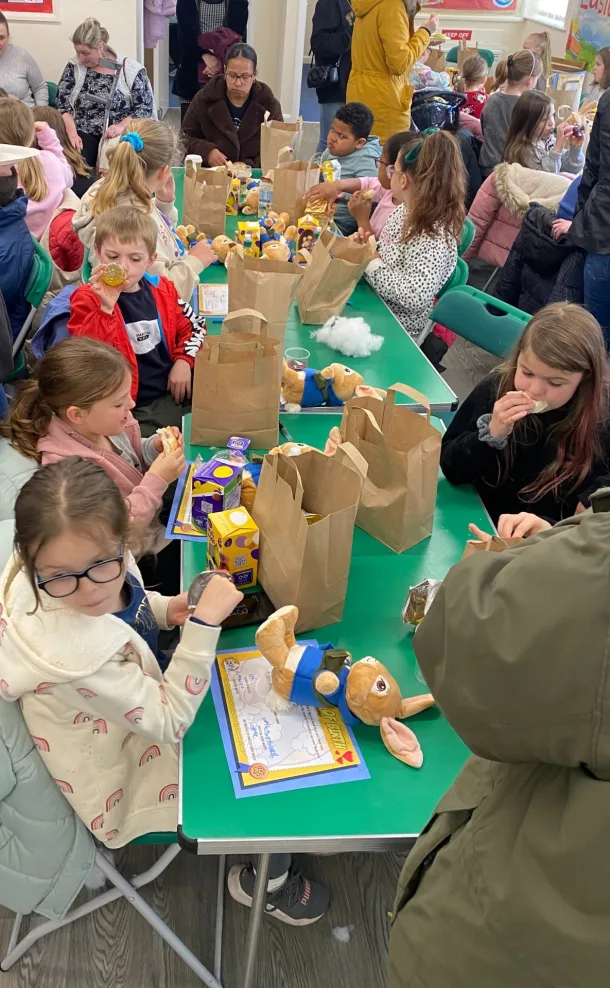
x=349 y=141
x=531 y=129
x=141 y=316
x=80 y=650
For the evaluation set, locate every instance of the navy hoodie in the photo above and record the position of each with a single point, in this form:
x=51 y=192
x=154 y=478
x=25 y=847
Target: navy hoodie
x=16 y=255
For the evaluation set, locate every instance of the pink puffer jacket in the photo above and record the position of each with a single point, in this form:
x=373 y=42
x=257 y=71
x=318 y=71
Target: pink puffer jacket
x=501 y=203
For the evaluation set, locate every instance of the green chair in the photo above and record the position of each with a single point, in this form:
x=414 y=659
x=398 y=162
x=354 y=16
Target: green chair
x=468 y=232
x=466 y=311
x=52 y=87
x=37 y=286
x=86 y=269
x=459 y=277
x=486 y=53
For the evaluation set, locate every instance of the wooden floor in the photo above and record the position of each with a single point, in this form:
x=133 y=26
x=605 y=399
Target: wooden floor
x=115 y=948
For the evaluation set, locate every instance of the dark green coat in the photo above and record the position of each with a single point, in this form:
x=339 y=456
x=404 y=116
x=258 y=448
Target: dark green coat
x=509 y=884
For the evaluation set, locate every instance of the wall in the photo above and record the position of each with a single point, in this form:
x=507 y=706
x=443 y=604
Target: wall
x=276 y=29
x=48 y=40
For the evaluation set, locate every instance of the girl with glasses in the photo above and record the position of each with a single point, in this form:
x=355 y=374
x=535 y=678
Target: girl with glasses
x=79 y=649
x=223 y=123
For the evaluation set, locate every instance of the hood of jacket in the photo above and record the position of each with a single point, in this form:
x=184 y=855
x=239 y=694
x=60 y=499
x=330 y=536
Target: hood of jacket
x=61 y=440
x=363 y=7
x=13 y=211
x=50 y=644
x=540 y=251
x=517 y=187
x=216 y=90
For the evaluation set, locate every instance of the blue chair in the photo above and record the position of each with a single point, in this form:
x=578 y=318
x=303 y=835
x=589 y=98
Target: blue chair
x=466 y=311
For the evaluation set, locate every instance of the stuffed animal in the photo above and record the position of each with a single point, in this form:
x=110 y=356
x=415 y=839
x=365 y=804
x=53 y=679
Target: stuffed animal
x=364 y=693
x=187 y=235
x=248 y=490
x=250 y=207
x=276 y=250
x=222 y=246
x=310 y=388
x=291 y=449
x=291 y=233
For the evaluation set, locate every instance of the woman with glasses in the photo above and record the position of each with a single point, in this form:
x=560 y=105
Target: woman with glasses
x=224 y=120
x=79 y=638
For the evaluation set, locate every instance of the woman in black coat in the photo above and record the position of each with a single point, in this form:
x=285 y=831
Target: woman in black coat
x=331 y=44
x=196 y=17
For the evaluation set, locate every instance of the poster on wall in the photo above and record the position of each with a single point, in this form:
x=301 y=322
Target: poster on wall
x=506 y=6
x=26 y=6
x=590 y=30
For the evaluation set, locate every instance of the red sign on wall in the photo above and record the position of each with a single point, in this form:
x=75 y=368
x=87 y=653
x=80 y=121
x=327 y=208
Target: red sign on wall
x=498 y=6
x=26 y=6
x=457 y=35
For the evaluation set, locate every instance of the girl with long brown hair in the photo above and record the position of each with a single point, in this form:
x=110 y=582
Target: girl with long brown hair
x=140 y=175
x=82 y=173
x=80 y=649
x=44 y=178
x=534 y=436
x=531 y=128
x=417 y=250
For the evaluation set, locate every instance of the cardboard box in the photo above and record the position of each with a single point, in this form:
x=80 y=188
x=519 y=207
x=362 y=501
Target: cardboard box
x=216 y=487
x=233 y=540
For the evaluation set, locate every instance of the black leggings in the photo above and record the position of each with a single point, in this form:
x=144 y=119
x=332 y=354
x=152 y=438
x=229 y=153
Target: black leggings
x=91 y=145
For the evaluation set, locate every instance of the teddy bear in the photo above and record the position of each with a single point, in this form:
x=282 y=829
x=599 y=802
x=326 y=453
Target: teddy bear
x=222 y=246
x=276 y=250
x=309 y=388
x=187 y=235
x=323 y=676
x=250 y=206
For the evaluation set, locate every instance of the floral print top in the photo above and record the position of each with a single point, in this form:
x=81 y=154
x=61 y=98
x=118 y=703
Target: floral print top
x=89 y=114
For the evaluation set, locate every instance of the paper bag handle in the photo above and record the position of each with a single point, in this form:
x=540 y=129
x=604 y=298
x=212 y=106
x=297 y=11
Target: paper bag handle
x=351 y=428
x=348 y=456
x=404 y=389
x=254 y=347
x=228 y=323
x=302 y=255
x=298 y=487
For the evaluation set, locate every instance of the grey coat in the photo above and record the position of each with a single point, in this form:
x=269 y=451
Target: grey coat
x=45 y=850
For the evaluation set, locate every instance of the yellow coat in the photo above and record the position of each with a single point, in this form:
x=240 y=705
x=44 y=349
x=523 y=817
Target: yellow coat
x=383 y=53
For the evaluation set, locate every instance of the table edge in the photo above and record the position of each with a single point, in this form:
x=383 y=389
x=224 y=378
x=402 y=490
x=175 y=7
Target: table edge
x=296 y=844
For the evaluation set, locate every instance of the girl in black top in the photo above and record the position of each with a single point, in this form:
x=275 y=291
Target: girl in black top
x=533 y=436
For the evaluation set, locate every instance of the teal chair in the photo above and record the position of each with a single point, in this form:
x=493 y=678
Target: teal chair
x=459 y=277
x=468 y=232
x=486 y=53
x=86 y=269
x=466 y=311
x=52 y=87
x=37 y=286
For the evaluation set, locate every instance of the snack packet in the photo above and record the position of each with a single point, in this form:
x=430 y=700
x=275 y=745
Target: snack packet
x=331 y=170
x=233 y=197
x=419 y=600
x=200 y=583
x=309 y=230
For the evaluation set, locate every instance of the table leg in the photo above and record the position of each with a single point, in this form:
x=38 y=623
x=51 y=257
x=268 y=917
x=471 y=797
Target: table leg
x=220 y=906
x=256 y=918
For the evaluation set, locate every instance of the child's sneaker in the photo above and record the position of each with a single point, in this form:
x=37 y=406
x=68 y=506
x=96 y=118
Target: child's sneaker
x=299 y=902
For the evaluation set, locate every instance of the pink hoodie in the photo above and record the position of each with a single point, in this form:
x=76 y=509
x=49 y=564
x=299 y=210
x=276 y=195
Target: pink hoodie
x=385 y=204
x=59 y=177
x=143 y=493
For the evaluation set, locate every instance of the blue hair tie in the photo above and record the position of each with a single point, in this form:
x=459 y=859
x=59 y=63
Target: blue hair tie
x=134 y=139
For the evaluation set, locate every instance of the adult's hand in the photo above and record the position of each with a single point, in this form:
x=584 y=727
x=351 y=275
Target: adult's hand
x=115 y=130
x=76 y=141
x=560 y=228
x=204 y=253
x=216 y=157
x=432 y=23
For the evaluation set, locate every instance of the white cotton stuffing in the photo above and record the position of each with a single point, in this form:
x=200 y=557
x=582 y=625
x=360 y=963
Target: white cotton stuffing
x=343 y=933
x=352 y=337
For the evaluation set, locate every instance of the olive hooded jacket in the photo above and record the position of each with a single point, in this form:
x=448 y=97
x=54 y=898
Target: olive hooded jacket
x=509 y=884
x=384 y=50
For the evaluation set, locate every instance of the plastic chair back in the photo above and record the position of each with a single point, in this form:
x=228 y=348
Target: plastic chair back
x=52 y=87
x=466 y=311
x=39 y=280
x=86 y=269
x=486 y=53
x=468 y=232
x=459 y=277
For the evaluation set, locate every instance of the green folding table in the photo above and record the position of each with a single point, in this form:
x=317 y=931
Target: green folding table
x=399 y=359
x=384 y=812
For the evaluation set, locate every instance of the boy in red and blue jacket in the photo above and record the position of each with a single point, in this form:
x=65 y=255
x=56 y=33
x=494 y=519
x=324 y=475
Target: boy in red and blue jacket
x=143 y=317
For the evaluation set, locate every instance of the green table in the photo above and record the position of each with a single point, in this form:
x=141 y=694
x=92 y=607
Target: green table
x=384 y=812
x=400 y=359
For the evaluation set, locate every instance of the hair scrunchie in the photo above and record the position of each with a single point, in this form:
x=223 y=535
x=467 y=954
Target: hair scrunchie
x=413 y=154
x=134 y=139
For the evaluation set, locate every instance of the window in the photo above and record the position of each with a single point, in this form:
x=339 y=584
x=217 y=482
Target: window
x=551 y=12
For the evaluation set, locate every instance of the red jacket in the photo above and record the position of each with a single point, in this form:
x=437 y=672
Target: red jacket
x=182 y=332
x=65 y=248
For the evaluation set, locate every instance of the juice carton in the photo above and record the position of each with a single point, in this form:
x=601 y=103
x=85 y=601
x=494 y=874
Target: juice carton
x=248 y=233
x=265 y=196
x=233 y=539
x=216 y=485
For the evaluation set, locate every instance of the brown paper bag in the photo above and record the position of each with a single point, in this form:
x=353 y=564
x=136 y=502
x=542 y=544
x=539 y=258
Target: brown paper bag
x=464 y=52
x=494 y=544
x=236 y=390
x=263 y=285
x=308 y=565
x=291 y=183
x=436 y=60
x=337 y=264
x=205 y=199
x=276 y=136
x=402 y=450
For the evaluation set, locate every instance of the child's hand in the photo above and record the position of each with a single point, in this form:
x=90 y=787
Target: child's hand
x=479 y=534
x=159 y=445
x=324 y=190
x=107 y=295
x=169 y=466
x=360 y=209
x=507 y=410
x=216 y=157
x=218 y=600
x=361 y=236
x=204 y=253
x=179 y=381
x=177 y=610
x=564 y=131
x=521 y=525
x=40 y=125
x=168 y=192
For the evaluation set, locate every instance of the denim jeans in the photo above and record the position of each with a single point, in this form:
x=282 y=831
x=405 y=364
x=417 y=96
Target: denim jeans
x=328 y=112
x=597 y=291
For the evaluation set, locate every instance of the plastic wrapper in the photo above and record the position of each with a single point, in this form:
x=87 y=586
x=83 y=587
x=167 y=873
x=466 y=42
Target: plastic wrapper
x=200 y=583
x=419 y=600
x=331 y=170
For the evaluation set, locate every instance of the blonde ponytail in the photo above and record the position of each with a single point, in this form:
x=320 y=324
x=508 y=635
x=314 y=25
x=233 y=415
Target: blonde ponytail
x=17 y=127
x=130 y=168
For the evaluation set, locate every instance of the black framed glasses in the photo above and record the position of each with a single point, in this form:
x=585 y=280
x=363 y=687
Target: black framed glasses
x=378 y=162
x=65 y=585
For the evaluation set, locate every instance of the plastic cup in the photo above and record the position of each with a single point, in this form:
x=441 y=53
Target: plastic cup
x=297 y=358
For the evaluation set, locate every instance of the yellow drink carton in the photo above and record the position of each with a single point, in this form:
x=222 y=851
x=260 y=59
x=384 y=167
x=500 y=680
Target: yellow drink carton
x=233 y=539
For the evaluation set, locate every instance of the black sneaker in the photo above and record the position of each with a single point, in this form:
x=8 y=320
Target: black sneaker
x=299 y=902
